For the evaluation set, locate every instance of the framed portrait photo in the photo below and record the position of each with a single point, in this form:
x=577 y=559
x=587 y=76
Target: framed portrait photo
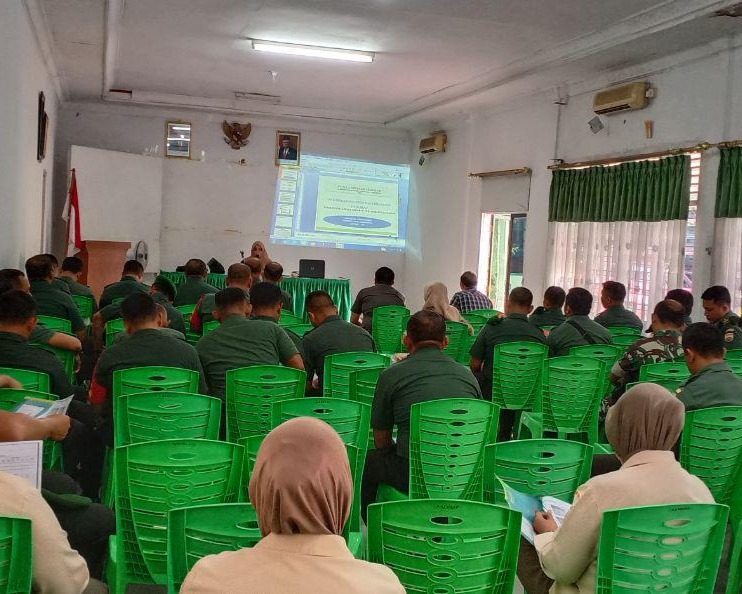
x=178 y=140
x=288 y=148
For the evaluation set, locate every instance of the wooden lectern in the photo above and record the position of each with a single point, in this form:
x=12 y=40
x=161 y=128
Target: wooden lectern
x=103 y=263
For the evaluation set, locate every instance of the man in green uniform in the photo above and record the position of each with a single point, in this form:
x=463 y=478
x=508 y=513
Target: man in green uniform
x=550 y=313
x=267 y=305
x=615 y=314
x=717 y=304
x=368 y=299
x=57 y=282
x=684 y=298
x=712 y=382
x=130 y=283
x=331 y=335
x=273 y=273
x=427 y=374
x=579 y=329
x=72 y=268
x=238 y=275
x=195 y=284
x=50 y=301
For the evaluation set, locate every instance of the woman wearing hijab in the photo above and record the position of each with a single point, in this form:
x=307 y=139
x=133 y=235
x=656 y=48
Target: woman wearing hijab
x=436 y=299
x=642 y=427
x=258 y=251
x=302 y=490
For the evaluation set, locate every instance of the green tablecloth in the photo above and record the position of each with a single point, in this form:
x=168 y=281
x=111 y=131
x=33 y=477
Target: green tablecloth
x=338 y=288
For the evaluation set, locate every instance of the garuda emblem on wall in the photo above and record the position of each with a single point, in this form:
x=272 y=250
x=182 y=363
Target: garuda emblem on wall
x=236 y=134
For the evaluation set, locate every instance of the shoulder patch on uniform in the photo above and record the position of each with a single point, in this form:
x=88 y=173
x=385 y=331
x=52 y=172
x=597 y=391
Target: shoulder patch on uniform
x=729 y=335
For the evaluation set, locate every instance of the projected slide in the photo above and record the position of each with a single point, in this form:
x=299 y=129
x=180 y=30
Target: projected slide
x=341 y=203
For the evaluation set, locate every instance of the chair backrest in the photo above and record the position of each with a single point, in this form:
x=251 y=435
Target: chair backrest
x=217 y=280
x=177 y=278
x=668 y=384
x=154 y=379
x=487 y=313
x=516 y=374
x=194 y=532
x=10 y=398
x=447 y=439
x=734 y=355
x=554 y=467
x=187 y=310
x=56 y=324
x=457 y=333
x=252 y=446
x=670 y=548
x=113 y=327
x=668 y=370
x=209 y=326
x=476 y=319
x=152 y=416
x=388 y=326
x=85 y=305
x=362 y=388
x=251 y=393
x=16 y=555
x=573 y=389
x=289 y=319
x=736 y=366
x=623 y=331
x=30 y=380
x=446 y=546
x=66 y=358
x=624 y=341
x=155 y=477
x=610 y=353
x=336 y=377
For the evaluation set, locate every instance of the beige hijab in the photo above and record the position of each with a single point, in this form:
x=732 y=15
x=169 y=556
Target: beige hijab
x=646 y=417
x=263 y=257
x=436 y=299
x=302 y=482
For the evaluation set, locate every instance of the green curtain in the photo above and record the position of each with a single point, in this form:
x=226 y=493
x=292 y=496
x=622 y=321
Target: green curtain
x=339 y=290
x=729 y=184
x=634 y=191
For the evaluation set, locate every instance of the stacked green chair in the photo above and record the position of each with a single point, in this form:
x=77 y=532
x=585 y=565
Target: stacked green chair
x=734 y=355
x=554 y=467
x=388 y=326
x=289 y=319
x=607 y=353
x=446 y=546
x=362 y=388
x=194 y=532
x=187 y=311
x=458 y=334
x=66 y=358
x=152 y=479
x=16 y=554
x=154 y=379
x=251 y=394
x=516 y=374
x=711 y=448
x=30 y=380
x=113 y=328
x=217 y=280
x=56 y=324
x=209 y=326
x=85 y=306
x=670 y=373
x=336 y=377
x=661 y=548
x=252 y=446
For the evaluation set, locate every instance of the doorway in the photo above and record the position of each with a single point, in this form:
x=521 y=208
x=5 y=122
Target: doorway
x=501 y=251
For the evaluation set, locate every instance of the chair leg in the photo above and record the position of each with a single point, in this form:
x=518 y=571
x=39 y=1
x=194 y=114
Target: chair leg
x=734 y=579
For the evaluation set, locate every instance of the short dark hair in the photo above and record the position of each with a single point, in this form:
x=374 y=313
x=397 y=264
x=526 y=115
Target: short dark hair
x=196 y=267
x=614 y=290
x=254 y=264
x=72 y=264
x=138 y=308
x=718 y=294
x=167 y=289
x=39 y=267
x=229 y=297
x=521 y=296
x=683 y=297
x=469 y=279
x=705 y=339
x=10 y=279
x=384 y=276
x=670 y=311
x=238 y=272
x=16 y=307
x=52 y=258
x=133 y=267
x=318 y=300
x=555 y=296
x=265 y=295
x=426 y=325
x=579 y=300
x=273 y=271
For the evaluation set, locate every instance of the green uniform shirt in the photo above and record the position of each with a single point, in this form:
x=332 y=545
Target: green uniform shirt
x=333 y=336
x=191 y=290
x=372 y=297
x=715 y=385
x=729 y=326
x=295 y=338
x=40 y=335
x=76 y=288
x=128 y=285
x=16 y=352
x=60 y=285
x=565 y=336
x=618 y=315
x=113 y=312
x=53 y=302
x=543 y=316
x=240 y=342
x=427 y=374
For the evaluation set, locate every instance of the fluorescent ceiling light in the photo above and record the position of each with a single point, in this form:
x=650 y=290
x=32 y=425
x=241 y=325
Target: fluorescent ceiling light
x=313 y=51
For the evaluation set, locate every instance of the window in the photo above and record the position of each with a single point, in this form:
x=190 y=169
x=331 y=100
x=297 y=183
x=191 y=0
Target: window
x=501 y=248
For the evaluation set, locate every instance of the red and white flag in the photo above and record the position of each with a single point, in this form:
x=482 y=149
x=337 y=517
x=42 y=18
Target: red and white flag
x=71 y=214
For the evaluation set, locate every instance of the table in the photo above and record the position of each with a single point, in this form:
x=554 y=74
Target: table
x=338 y=288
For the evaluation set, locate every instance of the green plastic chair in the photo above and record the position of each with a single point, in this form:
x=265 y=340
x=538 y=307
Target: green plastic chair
x=251 y=394
x=554 y=467
x=736 y=366
x=622 y=331
x=362 y=388
x=336 y=377
x=668 y=384
x=153 y=478
x=477 y=320
x=289 y=319
x=16 y=555
x=209 y=326
x=252 y=446
x=610 y=353
x=661 y=548
x=187 y=311
x=194 y=532
x=30 y=380
x=516 y=374
x=734 y=355
x=56 y=324
x=177 y=278
x=667 y=371
x=457 y=333
x=388 y=326
x=445 y=545
x=85 y=306
x=487 y=313
x=625 y=340
x=113 y=328
x=217 y=280
x=154 y=379
x=66 y=358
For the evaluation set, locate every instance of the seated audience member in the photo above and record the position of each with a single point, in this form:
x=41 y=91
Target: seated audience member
x=57 y=282
x=302 y=490
x=256 y=269
x=579 y=329
x=130 y=283
x=468 y=298
x=612 y=297
x=712 y=382
x=163 y=292
x=238 y=275
x=550 y=313
x=195 y=284
x=273 y=273
x=331 y=335
x=72 y=268
x=642 y=427
x=382 y=293
x=668 y=320
x=717 y=303
x=50 y=301
x=427 y=374
x=263 y=303
x=512 y=328
x=684 y=298
x=241 y=342
x=436 y=299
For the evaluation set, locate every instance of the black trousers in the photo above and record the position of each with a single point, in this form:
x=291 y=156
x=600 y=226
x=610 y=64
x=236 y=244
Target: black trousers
x=530 y=573
x=383 y=466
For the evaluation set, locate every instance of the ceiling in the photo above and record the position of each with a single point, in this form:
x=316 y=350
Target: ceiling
x=433 y=57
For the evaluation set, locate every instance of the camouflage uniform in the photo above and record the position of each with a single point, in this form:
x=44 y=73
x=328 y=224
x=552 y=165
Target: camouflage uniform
x=729 y=326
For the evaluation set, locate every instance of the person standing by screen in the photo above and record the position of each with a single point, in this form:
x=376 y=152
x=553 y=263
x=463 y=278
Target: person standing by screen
x=382 y=293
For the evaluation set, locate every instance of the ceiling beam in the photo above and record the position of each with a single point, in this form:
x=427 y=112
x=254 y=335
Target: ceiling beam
x=111 y=37
x=45 y=42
